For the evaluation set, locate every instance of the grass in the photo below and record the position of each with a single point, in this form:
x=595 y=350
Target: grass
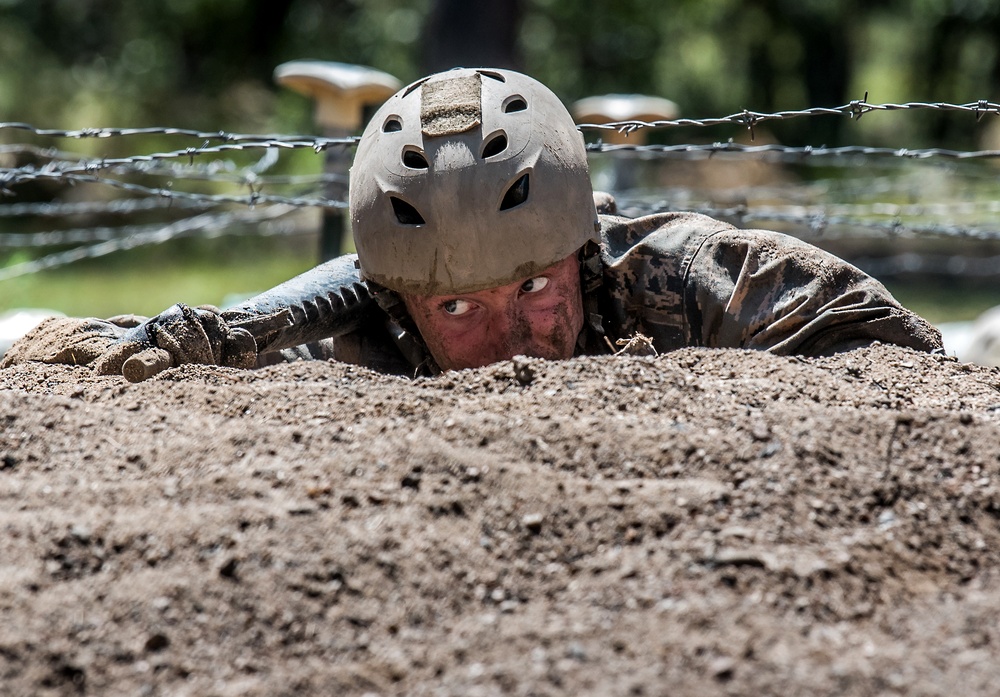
x=146 y=283
x=945 y=301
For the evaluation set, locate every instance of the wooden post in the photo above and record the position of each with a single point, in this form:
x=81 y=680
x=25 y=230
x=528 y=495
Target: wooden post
x=342 y=95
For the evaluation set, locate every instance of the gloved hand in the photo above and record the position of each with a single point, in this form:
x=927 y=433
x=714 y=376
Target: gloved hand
x=139 y=348
x=69 y=340
x=175 y=337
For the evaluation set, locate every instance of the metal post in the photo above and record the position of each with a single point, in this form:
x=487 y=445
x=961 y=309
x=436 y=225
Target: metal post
x=342 y=93
x=611 y=108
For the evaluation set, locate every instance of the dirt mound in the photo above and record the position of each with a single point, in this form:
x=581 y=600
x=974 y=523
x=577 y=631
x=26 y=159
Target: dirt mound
x=704 y=522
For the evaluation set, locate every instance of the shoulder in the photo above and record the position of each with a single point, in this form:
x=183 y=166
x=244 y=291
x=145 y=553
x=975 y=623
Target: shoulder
x=671 y=234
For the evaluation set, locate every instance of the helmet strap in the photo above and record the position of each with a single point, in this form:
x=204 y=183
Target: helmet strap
x=592 y=339
x=404 y=331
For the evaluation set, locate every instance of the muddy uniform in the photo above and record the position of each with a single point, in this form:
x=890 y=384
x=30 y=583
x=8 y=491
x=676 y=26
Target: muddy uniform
x=684 y=279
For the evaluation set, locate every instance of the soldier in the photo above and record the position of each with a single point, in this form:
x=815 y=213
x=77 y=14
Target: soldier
x=479 y=238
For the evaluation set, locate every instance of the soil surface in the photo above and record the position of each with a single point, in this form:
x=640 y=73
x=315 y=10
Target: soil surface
x=705 y=522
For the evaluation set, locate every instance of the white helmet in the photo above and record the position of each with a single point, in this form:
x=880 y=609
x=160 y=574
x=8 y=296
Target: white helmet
x=466 y=180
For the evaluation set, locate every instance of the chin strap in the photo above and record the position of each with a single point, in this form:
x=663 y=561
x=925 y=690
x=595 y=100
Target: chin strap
x=592 y=339
x=404 y=331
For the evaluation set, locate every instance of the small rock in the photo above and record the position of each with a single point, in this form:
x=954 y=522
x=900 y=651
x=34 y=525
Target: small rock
x=508 y=606
x=301 y=508
x=533 y=522
x=81 y=533
x=156 y=642
x=523 y=372
x=886 y=519
x=229 y=567
x=722 y=668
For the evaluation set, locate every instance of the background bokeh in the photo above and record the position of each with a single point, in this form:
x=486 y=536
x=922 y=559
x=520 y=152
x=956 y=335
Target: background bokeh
x=207 y=65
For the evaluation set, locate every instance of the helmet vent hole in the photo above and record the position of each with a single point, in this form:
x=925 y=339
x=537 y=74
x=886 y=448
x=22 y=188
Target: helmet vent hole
x=492 y=75
x=405 y=213
x=516 y=194
x=414 y=86
x=495 y=145
x=392 y=125
x=515 y=103
x=414 y=160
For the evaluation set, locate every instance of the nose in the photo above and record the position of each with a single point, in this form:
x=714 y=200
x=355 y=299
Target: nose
x=510 y=333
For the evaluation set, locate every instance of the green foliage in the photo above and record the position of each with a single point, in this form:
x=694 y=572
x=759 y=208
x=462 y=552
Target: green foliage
x=207 y=63
x=147 y=280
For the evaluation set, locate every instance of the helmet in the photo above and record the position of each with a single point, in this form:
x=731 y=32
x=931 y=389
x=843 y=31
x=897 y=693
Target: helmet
x=466 y=180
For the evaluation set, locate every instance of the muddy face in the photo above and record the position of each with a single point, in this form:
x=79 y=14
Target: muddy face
x=539 y=316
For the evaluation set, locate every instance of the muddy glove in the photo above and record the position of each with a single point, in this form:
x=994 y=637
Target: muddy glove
x=69 y=340
x=183 y=335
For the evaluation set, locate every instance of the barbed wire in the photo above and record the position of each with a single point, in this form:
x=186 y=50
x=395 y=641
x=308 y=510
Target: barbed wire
x=254 y=198
x=816 y=223
x=55 y=238
x=61 y=164
x=11 y=176
x=207 y=224
x=141 y=177
x=788 y=152
x=141 y=163
x=85 y=133
x=178 y=199
x=118 y=206
x=150 y=163
x=680 y=196
x=854 y=109
x=937 y=264
x=813 y=218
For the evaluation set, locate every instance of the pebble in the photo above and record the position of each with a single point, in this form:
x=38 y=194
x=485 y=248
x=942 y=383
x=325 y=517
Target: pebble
x=532 y=521
x=81 y=533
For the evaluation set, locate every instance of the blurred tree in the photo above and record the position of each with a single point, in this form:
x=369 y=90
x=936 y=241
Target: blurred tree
x=208 y=63
x=461 y=33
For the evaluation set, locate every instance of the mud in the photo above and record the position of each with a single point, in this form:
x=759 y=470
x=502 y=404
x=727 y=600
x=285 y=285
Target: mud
x=699 y=523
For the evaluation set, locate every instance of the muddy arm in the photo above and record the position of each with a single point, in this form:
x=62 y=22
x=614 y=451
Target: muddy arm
x=327 y=301
x=761 y=290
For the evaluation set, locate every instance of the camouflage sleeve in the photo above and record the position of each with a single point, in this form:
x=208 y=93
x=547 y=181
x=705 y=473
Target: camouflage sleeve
x=684 y=279
x=764 y=290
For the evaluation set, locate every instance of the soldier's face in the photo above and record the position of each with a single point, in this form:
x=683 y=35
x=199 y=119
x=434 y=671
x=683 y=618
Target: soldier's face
x=539 y=316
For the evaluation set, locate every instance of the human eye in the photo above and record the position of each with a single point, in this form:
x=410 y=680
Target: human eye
x=533 y=285
x=456 y=307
